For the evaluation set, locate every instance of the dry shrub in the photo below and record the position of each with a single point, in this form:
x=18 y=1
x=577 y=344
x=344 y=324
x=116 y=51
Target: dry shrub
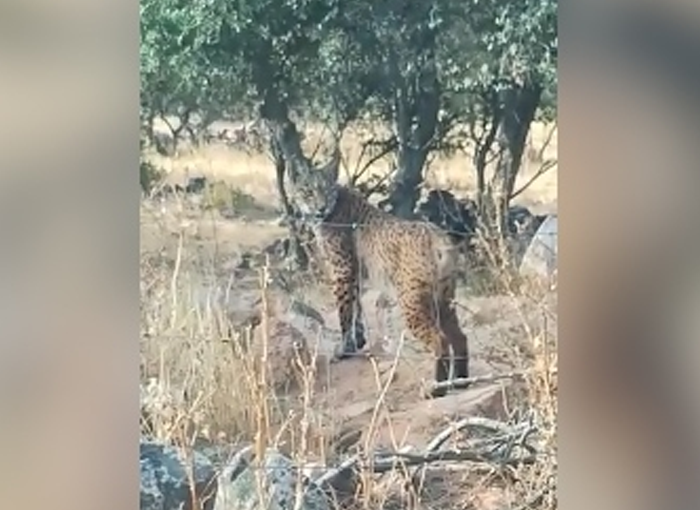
x=534 y=352
x=219 y=380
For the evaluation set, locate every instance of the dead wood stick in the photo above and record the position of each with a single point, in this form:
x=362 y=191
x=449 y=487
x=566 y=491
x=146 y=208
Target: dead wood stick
x=381 y=463
x=472 y=421
x=388 y=463
x=456 y=383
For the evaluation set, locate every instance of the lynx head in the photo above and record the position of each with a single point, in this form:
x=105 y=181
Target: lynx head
x=315 y=191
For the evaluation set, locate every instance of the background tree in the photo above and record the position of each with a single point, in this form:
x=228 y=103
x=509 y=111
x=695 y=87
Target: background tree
x=437 y=76
x=509 y=82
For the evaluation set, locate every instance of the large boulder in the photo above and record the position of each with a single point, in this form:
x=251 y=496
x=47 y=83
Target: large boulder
x=540 y=258
x=165 y=478
x=238 y=487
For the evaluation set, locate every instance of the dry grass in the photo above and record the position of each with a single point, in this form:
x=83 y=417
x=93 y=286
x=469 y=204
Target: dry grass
x=219 y=386
x=253 y=173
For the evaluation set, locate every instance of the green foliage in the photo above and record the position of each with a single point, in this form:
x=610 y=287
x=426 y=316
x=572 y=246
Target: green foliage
x=338 y=61
x=499 y=44
x=323 y=55
x=217 y=55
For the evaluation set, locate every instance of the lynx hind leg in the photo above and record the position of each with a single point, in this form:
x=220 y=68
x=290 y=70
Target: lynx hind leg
x=457 y=340
x=419 y=312
x=442 y=370
x=449 y=323
x=346 y=290
x=354 y=337
x=336 y=248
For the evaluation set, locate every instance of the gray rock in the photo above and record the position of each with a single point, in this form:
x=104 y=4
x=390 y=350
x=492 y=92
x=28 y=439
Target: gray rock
x=165 y=482
x=238 y=489
x=540 y=259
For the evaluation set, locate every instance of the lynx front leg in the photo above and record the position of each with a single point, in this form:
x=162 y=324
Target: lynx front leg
x=347 y=297
x=420 y=314
x=458 y=341
x=455 y=337
x=344 y=274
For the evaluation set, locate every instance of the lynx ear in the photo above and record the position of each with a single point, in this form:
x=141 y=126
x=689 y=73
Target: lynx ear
x=330 y=169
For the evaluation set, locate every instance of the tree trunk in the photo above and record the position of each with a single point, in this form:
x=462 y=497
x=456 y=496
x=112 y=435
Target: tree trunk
x=417 y=106
x=285 y=144
x=511 y=115
x=280 y=171
x=406 y=190
x=297 y=251
x=519 y=108
x=494 y=114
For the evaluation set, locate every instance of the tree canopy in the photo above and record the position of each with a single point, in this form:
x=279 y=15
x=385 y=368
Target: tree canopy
x=469 y=75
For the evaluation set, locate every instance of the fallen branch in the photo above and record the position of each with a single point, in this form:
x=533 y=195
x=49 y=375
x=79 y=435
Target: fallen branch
x=473 y=421
x=480 y=452
x=468 y=381
x=508 y=434
x=384 y=464
x=330 y=477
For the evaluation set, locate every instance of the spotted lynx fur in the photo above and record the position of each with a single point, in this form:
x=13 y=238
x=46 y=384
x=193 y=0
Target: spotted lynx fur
x=417 y=258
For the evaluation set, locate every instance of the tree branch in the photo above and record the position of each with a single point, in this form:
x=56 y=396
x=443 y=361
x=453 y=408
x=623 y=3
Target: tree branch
x=544 y=168
x=387 y=147
x=455 y=383
x=382 y=464
x=547 y=141
x=480 y=451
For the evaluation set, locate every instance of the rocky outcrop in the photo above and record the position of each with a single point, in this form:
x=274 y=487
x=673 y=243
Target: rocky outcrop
x=165 y=480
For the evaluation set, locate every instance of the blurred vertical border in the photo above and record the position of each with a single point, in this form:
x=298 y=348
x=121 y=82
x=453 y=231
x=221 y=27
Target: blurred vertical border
x=628 y=424
x=69 y=254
